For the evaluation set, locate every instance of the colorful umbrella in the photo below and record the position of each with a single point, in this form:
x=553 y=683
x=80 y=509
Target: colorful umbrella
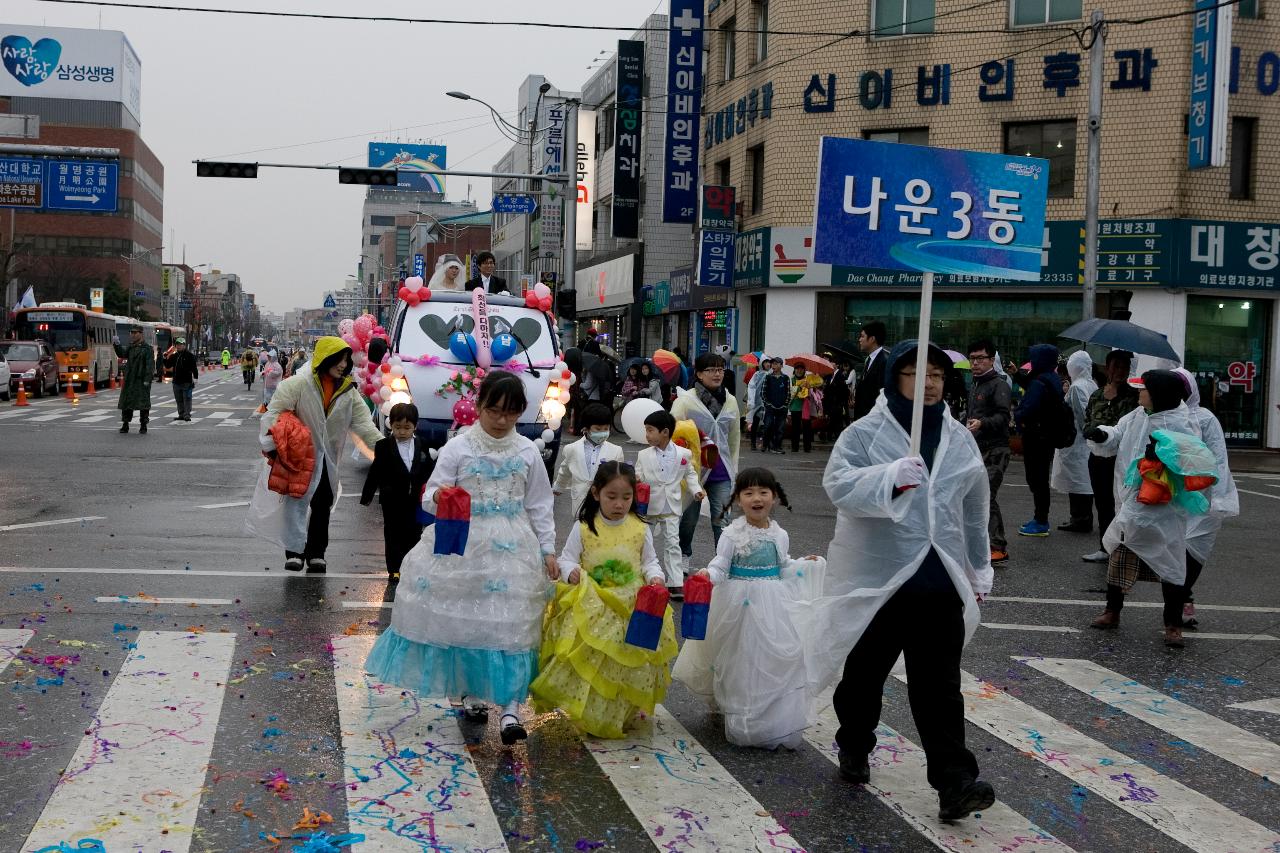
x=958 y=359
x=667 y=362
x=751 y=358
x=812 y=363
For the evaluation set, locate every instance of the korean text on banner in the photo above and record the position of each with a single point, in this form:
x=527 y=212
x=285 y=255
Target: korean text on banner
x=586 y=169
x=1210 y=76
x=626 y=146
x=715 y=259
x=684 y=108
x=907 y=207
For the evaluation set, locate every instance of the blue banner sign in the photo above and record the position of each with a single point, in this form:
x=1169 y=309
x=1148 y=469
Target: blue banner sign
x=419 y=265
x=1210 y=73
x=715 y=259
x=684 y=109
x=907 y=207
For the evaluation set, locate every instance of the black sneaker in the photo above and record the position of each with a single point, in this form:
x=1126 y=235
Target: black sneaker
x=964 y=799
x=512 y=730
x=142 y=430
x=855 y=770
x=316 y=566
x=124 y=427
x=293 y=564
x=1076 y=527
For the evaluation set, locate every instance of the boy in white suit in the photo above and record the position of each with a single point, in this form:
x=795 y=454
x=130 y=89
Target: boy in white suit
x=668 y=470
x=580 y=460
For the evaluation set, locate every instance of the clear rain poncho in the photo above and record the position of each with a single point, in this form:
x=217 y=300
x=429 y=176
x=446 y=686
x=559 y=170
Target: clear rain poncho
x=1071 y=464
x=1224 y=500
x=1157 y=533
x=880 y=541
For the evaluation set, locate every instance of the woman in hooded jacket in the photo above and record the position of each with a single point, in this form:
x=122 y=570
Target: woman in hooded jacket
x=1146 y=541
x=1070 y=472
x=907 y=566
x=326 y=401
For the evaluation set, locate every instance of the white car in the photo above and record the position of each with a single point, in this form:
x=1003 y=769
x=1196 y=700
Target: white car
x=4 y=379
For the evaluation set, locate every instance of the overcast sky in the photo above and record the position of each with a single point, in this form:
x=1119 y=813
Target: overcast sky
x=226 y=86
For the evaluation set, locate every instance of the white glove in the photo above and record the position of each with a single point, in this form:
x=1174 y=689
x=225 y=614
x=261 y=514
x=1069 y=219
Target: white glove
x=908 y=472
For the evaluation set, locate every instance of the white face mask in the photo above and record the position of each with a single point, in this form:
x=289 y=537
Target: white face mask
x=598 y=437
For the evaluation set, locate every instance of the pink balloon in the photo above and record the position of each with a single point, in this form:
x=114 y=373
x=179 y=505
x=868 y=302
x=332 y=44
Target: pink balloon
x=413 y=282
x=541 y=290
x=464 y=412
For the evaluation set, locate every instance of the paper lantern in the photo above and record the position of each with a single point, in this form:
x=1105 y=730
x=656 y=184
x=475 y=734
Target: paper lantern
x=697 y=604
x=645 y=628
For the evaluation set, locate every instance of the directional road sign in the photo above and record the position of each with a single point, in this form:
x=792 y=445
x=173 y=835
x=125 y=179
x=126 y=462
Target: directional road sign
x=514 y=203
x=82 y=185
x=139 y=293
x=184 y=306
x=22 y=183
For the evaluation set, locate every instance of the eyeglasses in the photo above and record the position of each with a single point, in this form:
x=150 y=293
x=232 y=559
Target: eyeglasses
x=979 y=358
x=712 y=370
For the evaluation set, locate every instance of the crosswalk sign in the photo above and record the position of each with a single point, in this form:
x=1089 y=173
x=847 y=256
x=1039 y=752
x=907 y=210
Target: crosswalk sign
x=329 y=302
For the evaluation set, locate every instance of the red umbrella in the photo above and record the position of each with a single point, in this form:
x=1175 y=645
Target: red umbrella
x=812 y=363
x=668 y=362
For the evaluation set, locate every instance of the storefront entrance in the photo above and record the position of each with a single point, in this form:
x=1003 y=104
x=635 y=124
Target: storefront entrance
x=1227 y=351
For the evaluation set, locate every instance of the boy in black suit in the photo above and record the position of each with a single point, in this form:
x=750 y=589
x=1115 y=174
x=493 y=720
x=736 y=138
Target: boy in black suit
x=487 y=281
x=399 y=472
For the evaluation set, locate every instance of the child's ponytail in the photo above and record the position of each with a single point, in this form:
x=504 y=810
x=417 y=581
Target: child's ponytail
x=760 y=478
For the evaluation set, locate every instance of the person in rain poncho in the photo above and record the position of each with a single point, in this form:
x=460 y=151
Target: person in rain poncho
x=272 y=373
x=1146 y=541
x=448 y=275
x=1071 y=464
x=1106 y=407
x=1224 y=500
x=714 y=411
x=908 y=563
x=755 y=405
x=325 y=400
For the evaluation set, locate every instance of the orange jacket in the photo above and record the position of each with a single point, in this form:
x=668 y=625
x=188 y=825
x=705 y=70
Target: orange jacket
x=295 y=458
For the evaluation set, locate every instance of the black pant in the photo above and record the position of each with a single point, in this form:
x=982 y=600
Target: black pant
x=1102 y=471
x=1081 y=511
x=318 y=524
x=928 y=628
x=144 y=415
x=1174 y=595
x=801 y=426
x=400 y=532
x=1037 y=456
x=775 y=420
x=757 y=424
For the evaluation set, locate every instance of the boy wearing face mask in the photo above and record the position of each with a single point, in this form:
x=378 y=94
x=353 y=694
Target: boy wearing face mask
x=580 y=460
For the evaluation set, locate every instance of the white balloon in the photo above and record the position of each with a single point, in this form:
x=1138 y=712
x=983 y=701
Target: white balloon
x=385 y=408
x=633 y=415
x=385 y=392
x=554 y=423
x=397 y=370
x=539 y=443
x=433 y=453
x=395 y=360
x=548 y=435
x=359 y=359
x=560 y=367
x=386 y=378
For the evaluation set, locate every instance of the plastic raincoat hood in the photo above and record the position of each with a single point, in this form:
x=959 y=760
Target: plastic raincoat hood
x=1070 y=472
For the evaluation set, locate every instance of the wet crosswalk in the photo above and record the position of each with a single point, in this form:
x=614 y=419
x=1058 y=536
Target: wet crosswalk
x=219 y=402
x=413 y=778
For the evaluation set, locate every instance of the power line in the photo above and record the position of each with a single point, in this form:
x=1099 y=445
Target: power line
x=1170 y=15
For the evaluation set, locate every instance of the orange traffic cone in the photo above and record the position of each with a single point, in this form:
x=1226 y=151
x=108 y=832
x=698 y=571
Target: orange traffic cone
x=71 y=392
x=22 y=395
x=89 y=390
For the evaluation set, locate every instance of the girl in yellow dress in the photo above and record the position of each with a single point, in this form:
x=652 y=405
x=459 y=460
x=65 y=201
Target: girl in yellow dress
x=585 y=666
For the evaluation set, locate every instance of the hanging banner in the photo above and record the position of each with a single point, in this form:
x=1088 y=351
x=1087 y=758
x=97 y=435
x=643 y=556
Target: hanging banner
x=1210 y=79
x=683 y=109
x=586 y=176
x=626 y=140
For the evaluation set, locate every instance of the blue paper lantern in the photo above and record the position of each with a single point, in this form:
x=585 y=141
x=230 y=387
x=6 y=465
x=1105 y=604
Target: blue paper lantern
x=503 y=347
x=463 y=347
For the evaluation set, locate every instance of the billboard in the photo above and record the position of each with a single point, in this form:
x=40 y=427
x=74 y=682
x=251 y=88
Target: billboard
x=626 y=146
x=586 y=176
x=78 y=65
x=418 y=165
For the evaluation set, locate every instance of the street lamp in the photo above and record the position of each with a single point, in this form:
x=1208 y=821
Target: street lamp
x=136 y=256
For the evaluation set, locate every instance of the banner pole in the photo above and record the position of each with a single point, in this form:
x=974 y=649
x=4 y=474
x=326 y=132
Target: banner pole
x=922 y=362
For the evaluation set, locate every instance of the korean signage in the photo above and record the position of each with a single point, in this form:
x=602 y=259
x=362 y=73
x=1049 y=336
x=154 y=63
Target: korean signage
x=166 y=274
x=609 y=284
x=716 y=237
x=553 y=164
x=1211 y=63
x=894 y=206
x=419 y=265
x=417 y=165
x=737 y=116
x=72 y=64
x=684 y=109
x=586 y=169
x=86 y=185
x=719 y=209
x=22 y=183
x=626 y=140
x=778 y=257
x=96 y=295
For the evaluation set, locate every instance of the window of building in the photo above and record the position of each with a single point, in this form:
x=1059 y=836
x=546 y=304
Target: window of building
x=1248 y=9
x=907 y=135
x=381 y=221
x=375 y=239
x=722 y=173
x=730 y=35
x=757 y=178
x=1055 y=141
x=605 y=119
x=1030 y=13
x=762 y=30
x=757 y=321
x=1242 y=147
x=901 y=17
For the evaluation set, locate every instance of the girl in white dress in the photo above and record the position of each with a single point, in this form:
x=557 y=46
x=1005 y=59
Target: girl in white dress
x=751 y=666
x=470 y=624
x=448 y=274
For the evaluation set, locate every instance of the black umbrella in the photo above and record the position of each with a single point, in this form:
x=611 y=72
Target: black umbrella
x=845 y=349
x=1121 y=334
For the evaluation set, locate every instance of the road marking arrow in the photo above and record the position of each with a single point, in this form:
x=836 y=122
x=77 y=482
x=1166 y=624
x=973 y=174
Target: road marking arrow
x=1266 y=706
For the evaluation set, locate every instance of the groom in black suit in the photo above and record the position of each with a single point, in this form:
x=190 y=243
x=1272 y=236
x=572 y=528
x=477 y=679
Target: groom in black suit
x=487 y=280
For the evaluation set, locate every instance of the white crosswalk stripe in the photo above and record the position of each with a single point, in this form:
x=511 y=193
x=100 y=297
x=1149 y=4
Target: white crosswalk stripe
x=134 y=782
x=12 y=641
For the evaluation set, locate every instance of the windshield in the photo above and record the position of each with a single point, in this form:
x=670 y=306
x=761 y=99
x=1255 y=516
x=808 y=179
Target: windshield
x=62 y=330
x=427 y=328
x=22 y=352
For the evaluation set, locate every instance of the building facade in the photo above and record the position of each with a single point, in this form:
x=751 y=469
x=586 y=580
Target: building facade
x=1191 y=253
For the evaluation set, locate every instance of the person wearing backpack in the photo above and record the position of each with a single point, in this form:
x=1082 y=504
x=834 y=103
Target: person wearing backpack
x=1043 y=419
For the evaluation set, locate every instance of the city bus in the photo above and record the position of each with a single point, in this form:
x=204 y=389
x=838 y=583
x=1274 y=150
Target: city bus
x=81 y=339
x=165 y=334
x=124 y=324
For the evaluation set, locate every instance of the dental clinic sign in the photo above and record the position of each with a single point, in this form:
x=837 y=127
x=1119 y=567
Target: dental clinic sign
x=907 y=207
x=80 y=65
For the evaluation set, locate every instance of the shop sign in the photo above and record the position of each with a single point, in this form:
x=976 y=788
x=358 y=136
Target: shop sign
x=681 y=282
x=586 y=177
x=719 y=208
x=749 y=268
x=683 y=112
x=656 y=298
x=1242 y=373
x=943 y=210
x=626 y=146
x=735 y=117
x=703 y=298
x=715 y=259
x=1210 y=70
x=606 y=285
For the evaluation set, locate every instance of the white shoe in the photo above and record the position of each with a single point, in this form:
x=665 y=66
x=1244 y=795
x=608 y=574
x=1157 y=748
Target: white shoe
x=1098 y=556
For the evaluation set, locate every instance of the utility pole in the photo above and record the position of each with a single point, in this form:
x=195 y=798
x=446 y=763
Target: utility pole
x=526 y=265
x=1093 y=173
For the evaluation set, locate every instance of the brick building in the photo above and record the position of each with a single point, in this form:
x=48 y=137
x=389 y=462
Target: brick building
x=1190 y=253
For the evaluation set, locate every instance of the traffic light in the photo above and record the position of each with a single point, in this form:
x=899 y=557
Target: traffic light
x=374 y=177
x=209 y=169
x=567 y=304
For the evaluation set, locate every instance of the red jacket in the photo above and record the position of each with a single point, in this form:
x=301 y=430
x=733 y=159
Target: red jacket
x=295 y=458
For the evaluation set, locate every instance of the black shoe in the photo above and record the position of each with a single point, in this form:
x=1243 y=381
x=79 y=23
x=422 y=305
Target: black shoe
x=475 y=711
x=1076 y=527
x=293 y=564
x=124 y=427
x=317 y=566
x=142 y=430
x=964 y=799
x=512 y=730
x=676 y=592
x=857 y=771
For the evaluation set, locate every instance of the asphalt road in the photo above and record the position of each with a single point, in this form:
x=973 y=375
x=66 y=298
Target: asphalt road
x=167 y=687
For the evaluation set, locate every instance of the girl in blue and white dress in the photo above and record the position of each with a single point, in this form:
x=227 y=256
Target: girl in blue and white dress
x=469 y=625
x=751 y=666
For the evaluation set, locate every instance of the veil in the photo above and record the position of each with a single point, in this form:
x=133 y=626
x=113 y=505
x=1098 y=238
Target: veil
x=438 y=277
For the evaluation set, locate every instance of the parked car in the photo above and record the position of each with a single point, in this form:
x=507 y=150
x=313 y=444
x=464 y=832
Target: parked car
x=4 y=379
x=31 y=363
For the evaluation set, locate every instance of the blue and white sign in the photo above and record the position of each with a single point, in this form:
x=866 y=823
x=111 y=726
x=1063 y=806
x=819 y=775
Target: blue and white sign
x=1210 y=78
x=715 y=259
x=82 y=185
x=419 y=265
x=517 y=203
x=329 y=301
x=684 y=109
x=22 y=183
x=907 y=207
